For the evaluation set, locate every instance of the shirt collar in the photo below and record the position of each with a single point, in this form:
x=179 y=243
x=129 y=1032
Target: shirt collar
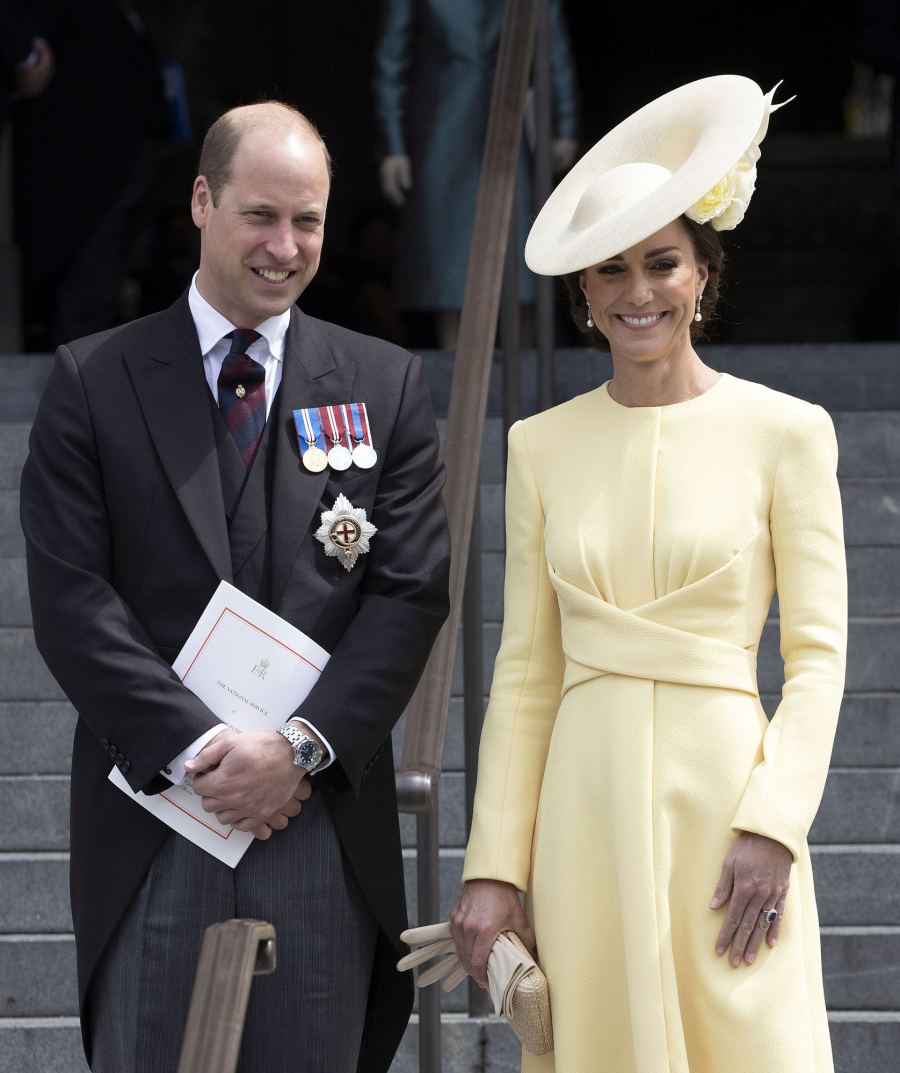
x=212 y=326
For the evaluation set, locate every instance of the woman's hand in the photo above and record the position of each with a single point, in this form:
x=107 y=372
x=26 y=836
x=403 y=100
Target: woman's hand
x=754 y=878
x=484 y=908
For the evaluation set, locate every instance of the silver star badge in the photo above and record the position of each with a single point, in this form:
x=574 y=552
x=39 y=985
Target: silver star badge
x=345 y=532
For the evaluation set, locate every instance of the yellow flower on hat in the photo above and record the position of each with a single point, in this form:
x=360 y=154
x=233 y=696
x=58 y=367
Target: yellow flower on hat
x=725 y=204
x=714 y=202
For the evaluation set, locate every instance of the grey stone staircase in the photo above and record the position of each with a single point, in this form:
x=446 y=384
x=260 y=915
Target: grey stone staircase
x=856 y=837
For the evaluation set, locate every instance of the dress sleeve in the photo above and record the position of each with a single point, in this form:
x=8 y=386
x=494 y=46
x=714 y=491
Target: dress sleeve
x=784 y=791
x=390 y=81
x=525 y=692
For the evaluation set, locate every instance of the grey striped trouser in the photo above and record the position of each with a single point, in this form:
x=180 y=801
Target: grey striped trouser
x=307 y=1017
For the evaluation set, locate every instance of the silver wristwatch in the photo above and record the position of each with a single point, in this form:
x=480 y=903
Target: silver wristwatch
x=308 y=752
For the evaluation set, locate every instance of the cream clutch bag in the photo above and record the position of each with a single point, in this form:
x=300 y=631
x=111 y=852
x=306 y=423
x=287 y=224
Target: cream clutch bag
x=516 y=984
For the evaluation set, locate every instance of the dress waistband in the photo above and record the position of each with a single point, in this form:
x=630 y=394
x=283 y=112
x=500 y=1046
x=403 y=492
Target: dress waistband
x=600 y=638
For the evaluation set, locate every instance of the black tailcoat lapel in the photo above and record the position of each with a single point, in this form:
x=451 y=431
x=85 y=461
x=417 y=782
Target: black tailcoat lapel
x=174 y=397
x=312 y=376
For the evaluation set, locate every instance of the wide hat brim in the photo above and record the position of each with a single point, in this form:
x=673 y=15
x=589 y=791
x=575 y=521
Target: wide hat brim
x=618 y=193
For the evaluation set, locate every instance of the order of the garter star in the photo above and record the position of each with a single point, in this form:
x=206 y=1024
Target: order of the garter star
x=345 y=532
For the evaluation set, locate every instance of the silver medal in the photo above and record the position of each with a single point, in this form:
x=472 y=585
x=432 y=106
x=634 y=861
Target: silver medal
x=339 y=457
x=364 y=456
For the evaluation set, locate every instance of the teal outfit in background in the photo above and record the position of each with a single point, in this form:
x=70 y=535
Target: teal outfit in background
x=434 y=68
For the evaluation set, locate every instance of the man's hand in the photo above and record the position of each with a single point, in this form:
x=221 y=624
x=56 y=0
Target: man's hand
x=396 y=177
x=754 y=878
x=263 y=829
x=562 y=153
x=483 y=909
x=34 y=77
x=250 y=778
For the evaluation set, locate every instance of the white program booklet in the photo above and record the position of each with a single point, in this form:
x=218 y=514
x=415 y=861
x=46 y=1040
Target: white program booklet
x=251 y=669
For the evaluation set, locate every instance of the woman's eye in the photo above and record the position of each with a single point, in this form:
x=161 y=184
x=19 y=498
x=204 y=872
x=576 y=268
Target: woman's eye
x=665 y=266
x=609 y=270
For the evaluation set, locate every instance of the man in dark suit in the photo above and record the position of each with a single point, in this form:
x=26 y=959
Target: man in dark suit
x=137 y=498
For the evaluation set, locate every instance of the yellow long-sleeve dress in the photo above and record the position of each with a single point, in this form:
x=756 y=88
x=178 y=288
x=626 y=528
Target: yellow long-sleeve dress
x=625 y=745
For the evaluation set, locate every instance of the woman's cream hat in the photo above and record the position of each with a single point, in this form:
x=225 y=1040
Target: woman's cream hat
x=692 y=151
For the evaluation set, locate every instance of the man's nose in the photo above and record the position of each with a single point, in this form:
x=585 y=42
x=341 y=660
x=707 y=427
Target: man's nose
x=282 y=244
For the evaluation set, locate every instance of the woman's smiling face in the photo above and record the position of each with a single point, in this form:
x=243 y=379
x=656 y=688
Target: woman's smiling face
x=643 y=300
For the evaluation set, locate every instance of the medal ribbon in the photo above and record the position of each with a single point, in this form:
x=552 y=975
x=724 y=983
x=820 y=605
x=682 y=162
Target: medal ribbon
x=360 y=417
x=366 y=430
x=351 y=415
x=306 y=422
x=338 y=429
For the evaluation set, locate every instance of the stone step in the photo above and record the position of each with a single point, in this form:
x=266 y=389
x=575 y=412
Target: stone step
x=24 y=377
x=869 y=444
x=41 y=1045
x=23 y=674
x=873 y=582
x=861 y=969
x=860 y=805
x=838 y=376
x=868 y=732
x=12 y=543
x=861 y=1041
x=871 y=515
x=13 y=450
x=856 y=885
x=872 y=664
x=36 y=737
x=873 y=578
x=37 y=976
x=38 y=817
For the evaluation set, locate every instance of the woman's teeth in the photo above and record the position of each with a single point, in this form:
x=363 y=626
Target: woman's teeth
x=640 y=322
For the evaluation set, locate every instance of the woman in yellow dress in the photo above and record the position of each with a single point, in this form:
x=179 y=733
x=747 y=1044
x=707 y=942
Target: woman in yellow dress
x=629 y=782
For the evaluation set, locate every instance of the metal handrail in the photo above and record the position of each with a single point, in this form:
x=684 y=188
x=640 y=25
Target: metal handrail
x=233 y=952
x=423 y=745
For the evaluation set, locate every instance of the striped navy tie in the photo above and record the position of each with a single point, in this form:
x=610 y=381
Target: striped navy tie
x=242 y=394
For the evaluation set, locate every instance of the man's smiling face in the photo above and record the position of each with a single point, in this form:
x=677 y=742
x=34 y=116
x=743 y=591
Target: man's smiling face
x=261 y=242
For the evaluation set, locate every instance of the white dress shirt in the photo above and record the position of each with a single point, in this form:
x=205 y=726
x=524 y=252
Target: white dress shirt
x=268 y=350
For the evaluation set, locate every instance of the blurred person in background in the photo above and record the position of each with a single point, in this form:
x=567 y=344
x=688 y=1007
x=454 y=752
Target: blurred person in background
x=434 y=70
x=84 y=149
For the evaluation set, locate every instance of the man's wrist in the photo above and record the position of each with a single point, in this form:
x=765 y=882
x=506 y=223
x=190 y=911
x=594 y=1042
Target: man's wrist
x=310 y=732
x=308 y=750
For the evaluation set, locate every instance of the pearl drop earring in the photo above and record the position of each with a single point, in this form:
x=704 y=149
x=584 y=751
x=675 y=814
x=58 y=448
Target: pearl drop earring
x=698 y=316
x=590 y=316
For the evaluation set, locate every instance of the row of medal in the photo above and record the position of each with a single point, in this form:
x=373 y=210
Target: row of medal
x=338 y=436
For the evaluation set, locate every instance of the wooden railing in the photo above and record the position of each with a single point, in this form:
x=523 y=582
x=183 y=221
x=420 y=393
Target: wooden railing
x=233 y=952
x=417 y=779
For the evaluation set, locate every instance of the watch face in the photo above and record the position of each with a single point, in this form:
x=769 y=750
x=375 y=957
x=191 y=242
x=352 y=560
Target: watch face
x=309 y=753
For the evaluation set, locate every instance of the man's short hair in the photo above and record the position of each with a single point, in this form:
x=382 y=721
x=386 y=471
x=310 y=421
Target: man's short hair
x=224 y=136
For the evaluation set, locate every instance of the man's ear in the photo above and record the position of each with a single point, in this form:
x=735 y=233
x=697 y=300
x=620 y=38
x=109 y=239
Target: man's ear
x=201 y=201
